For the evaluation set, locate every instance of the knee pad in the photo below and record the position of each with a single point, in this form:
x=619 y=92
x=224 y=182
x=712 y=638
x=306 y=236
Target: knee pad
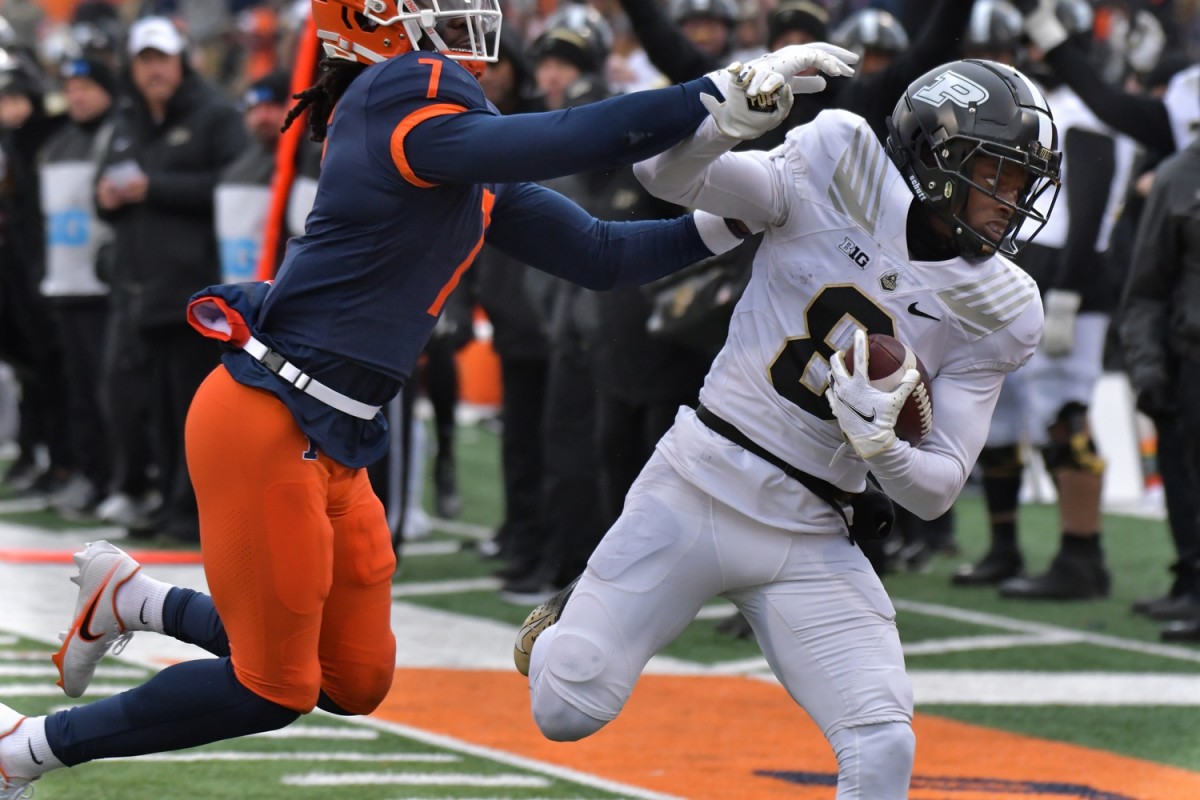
x=1001 y=462
x=875 y=762
x=358 y=691
x=570 y=695
x=1071 y=446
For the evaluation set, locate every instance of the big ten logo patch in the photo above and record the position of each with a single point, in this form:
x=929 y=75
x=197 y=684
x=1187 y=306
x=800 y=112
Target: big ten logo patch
x=854 y=253
x=239 y=260
x=954 y=88
x=68 y=228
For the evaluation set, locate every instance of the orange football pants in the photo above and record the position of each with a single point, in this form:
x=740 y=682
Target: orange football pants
x=296 y=550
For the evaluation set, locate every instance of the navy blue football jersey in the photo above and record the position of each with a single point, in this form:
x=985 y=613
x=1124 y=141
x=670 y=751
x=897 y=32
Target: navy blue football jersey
x=407 y=193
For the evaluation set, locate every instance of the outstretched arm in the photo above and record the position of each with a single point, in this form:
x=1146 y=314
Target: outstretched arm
x=700 y=173
x=545 y=230
x=480 y=147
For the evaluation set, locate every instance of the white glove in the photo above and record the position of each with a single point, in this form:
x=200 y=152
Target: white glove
x=1058 y=334
x=867 y=416
x=787 y=61
x=746 y=112
x=1043 y=27
x=1145 y=42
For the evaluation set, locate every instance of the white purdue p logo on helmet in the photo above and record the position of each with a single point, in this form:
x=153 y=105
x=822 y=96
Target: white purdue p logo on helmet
x=950 y=86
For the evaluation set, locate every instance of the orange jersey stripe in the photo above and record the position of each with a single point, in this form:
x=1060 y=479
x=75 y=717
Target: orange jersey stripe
x=489 y=199
x=402 y=130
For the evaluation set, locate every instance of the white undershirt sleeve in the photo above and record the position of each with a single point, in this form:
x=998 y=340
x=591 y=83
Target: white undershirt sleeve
x=701 y=173
x=927 y=480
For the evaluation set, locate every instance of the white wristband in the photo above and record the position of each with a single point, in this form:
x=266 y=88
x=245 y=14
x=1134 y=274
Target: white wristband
x=715 y=232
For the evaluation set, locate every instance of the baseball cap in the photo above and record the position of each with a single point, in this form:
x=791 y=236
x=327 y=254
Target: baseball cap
x=274 y=87
x=91 y=69
x=155 y=33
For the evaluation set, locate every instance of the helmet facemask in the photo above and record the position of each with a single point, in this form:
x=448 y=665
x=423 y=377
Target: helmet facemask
x=964 y=114
x=950 y=178
x=463 y=30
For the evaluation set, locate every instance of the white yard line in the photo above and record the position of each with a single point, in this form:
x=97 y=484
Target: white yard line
x=298 y=731
x=562 y=773
x=417 y=589
x=506 y=781
x=1043 y=629
x=204 y=756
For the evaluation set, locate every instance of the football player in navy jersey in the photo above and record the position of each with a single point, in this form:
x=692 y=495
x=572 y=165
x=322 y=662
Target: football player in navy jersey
x=418 y=171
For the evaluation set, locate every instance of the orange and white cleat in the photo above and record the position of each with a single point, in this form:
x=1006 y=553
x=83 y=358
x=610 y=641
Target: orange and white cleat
x=96 y=627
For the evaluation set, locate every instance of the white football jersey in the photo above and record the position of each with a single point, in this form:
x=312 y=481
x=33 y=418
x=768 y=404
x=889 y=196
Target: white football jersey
x=835 y=256
x=1071 y=112
x=1182 y=100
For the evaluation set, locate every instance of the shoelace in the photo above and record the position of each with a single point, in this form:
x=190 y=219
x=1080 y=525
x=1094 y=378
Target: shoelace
x=120 y=642
x=8 y=792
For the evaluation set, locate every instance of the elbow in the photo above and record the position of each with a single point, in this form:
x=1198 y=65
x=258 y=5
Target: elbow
x=653 y=181
x=647 y=175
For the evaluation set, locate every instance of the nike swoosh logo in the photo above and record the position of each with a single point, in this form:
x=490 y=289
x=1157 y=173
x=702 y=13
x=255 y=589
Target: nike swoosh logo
x=860 y=414
x=36 y=760
x=916 y=312
x=142 y=613
x=85 y=624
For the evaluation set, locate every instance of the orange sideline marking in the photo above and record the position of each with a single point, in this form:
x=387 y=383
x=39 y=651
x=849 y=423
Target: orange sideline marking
x=64 y=556
x=710 y=737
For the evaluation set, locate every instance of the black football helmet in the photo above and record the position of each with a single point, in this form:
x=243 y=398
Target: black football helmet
x=871 y=29
x=972 y=109
x=995 y=27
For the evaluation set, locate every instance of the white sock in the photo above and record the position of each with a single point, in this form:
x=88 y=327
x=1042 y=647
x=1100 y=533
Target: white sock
x=25 y=753
x=140 y=603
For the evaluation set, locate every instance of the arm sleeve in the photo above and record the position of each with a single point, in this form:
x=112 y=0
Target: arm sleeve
x=545 y=230
x=1145 y=304
x=1143 y=119
x=927 y=480
x=668 y=49
x=699 y=173
x=1091 y=164
x=480 y=147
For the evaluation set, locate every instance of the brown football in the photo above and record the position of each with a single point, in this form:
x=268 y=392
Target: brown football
x=888 y=359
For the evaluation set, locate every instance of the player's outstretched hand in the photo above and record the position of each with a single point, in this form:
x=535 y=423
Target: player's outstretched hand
x=866 y=415
x=755 y=100
x=1042 y=25
x=795 y=58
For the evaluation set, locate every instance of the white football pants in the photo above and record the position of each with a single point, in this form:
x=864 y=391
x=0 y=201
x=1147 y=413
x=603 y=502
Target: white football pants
x=818 y=610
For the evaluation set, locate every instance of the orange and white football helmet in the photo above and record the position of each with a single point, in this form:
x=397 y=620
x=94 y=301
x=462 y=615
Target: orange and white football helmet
x=370 y=31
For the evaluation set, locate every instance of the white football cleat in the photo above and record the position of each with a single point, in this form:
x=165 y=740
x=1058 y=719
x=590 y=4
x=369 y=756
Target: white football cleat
x=541 y=618
x=96 y=627
x=12 y=787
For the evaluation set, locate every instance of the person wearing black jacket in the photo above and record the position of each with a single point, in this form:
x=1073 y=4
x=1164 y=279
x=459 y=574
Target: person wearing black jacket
x=1159 y=323
x=175 y=135
x=78 y=247
x=27 y=338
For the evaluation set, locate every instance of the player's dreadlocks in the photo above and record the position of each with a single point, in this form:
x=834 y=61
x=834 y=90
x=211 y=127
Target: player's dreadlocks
x=320 y=98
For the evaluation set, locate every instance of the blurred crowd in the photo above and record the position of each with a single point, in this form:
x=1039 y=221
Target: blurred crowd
x=140 y=162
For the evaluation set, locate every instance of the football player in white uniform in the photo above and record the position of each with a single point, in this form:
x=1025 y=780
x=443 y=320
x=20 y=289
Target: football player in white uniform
x=915 y=246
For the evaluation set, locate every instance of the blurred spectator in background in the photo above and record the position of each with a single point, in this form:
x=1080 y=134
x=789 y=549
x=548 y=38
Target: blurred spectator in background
x=1160 y=331
x=174 y=138
x=243 y=191
x=78 y=260
x=27 y=339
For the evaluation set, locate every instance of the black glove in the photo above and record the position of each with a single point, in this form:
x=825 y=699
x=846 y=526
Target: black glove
x=874 y=515
x=1157 y=399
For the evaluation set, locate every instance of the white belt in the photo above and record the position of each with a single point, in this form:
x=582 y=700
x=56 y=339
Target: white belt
x=306 y=383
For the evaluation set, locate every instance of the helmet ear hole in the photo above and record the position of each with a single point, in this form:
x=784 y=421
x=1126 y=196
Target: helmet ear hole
x=364 y=24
